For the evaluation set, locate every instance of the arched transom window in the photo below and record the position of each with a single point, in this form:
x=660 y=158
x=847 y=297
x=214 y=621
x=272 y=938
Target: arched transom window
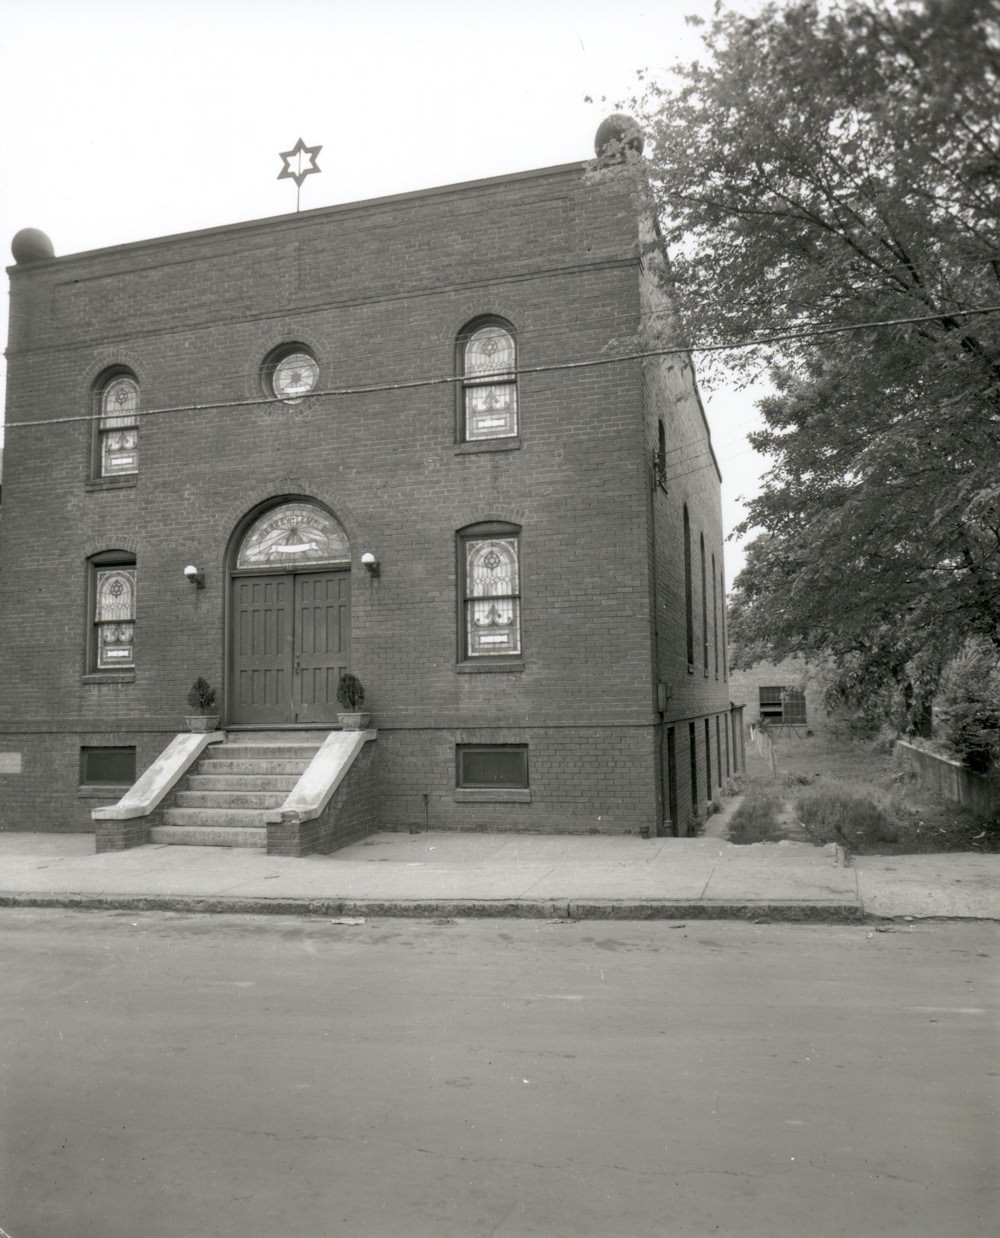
x=489 y=383
x=294 y=534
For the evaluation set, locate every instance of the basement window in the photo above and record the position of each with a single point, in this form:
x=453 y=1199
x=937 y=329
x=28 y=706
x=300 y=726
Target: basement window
x=107 y=767
x=492 y=766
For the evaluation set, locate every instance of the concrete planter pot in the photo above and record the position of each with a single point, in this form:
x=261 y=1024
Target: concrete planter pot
x=202 y=722
x=354 y=722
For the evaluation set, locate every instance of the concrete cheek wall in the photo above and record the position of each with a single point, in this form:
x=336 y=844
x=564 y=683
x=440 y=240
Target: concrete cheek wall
x=351 y=814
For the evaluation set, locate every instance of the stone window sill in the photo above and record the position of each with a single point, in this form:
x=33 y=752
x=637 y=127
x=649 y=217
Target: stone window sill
x=488 y=668
x=492 y=795
x=109 y=677
x=488 y=444
x=124 y=481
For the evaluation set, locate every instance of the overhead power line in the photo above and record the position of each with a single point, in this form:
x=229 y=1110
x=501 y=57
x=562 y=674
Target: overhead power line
x=555 y=367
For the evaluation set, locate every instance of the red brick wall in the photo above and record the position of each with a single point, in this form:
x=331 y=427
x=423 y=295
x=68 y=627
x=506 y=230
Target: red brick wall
x=379 y=291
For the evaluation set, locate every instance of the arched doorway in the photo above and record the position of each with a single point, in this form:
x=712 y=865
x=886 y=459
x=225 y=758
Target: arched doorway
x=289 y=617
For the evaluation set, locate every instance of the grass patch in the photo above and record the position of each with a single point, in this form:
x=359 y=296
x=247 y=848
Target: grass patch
x=827 y=790
x=758 y=818
x=853 y=819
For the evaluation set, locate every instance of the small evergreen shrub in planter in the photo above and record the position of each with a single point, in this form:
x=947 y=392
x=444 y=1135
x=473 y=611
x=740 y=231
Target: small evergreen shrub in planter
x=351 y=695
x=201 y=696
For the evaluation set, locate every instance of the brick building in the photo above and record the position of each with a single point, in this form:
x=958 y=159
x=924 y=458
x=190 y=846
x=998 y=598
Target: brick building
x=391 y=437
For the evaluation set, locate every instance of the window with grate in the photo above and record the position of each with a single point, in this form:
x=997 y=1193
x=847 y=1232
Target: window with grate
x=487 y=358
x=107 y=767
x=488 y=766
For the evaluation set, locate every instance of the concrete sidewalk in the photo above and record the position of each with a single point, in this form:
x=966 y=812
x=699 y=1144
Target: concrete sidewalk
x=456 y=874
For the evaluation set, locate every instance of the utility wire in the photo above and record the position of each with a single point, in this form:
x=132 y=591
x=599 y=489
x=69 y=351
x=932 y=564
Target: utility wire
x=450 y=380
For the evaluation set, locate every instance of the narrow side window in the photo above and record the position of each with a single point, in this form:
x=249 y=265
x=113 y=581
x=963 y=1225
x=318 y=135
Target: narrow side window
x=487 y=357
x=490 y=571
x=112 y=587
x=118 y=426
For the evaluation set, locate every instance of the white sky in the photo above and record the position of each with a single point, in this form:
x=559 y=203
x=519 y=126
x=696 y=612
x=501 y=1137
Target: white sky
x=122 y=120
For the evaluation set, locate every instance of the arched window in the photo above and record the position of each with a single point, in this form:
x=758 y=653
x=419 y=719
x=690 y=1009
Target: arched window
x=118 y=426
x=112 y=587
x=489 y=561
x=487 y=359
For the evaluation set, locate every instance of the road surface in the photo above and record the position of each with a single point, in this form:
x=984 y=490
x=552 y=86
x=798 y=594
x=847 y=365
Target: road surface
x=167 y=1075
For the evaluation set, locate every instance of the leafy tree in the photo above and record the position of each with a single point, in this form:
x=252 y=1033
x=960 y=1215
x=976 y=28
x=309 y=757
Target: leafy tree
x=825 y=166
x=968 y=705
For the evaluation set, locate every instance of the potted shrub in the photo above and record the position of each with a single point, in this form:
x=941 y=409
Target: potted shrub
x=202 y=697
x=351 y=695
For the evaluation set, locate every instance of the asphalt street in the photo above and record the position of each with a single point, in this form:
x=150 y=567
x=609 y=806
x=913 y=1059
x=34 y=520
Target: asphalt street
x=164 y=1075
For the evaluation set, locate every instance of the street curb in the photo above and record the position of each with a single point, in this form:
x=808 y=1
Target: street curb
x=536 y=909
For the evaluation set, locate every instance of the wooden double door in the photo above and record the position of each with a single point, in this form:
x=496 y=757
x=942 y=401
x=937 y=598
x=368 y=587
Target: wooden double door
x=290 y=636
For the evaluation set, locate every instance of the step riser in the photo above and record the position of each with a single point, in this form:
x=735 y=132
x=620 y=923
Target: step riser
x=251 y=768
x=211 y=818
x=241 y=782
x=192 y=836
x=230 y=799
x=261 y=752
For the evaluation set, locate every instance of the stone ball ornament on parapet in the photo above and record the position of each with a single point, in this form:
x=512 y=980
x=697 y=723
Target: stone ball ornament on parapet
x=616 y=135
x=31 y=245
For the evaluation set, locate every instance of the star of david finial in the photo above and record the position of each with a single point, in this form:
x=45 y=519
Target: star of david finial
x=298 y=174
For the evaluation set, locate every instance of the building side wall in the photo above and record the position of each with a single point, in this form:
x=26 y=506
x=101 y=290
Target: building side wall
x=683 y=474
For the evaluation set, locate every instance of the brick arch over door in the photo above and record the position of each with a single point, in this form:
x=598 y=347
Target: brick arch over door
x=289 y=615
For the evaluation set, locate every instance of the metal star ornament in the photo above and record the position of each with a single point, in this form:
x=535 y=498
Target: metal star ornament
x=299 y=173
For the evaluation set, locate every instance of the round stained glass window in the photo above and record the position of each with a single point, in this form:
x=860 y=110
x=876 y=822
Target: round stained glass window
x=294 y=376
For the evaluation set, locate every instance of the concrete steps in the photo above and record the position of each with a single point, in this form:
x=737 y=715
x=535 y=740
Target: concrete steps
x=226 y=799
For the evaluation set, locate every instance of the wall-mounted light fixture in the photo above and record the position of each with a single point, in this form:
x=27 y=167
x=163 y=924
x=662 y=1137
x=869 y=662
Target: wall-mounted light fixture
x=370 y=563
x=195 y=575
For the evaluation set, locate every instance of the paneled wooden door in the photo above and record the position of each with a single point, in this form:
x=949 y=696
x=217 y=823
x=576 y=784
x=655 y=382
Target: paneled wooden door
x=290 y=642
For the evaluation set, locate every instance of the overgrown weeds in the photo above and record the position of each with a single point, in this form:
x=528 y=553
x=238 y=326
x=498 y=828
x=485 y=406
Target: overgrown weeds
x=827 y=791
x=758 y=819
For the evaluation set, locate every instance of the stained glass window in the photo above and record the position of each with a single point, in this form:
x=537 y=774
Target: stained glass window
x=492 y=597
x=115 y=617
x=490 y=386
x=295 y=376
x=294 y=533
x=119 y=427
